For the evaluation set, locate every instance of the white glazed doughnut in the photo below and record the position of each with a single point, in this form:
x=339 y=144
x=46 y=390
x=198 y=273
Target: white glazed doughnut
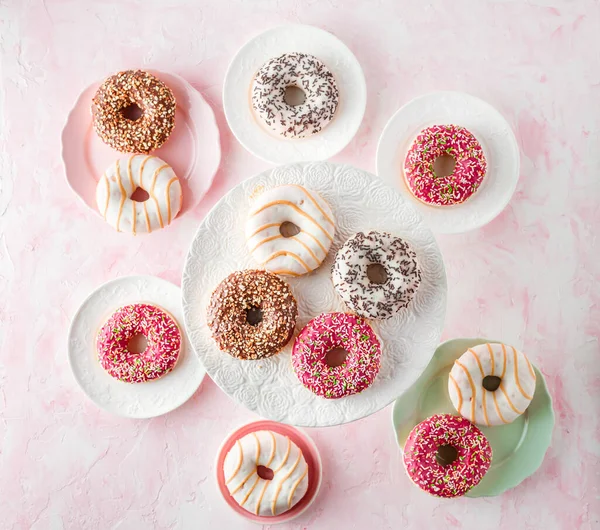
x=400 y=274
x=121 y=179
x=312 y=77
x=275 y=452
x=297 y=254
x=510 y=399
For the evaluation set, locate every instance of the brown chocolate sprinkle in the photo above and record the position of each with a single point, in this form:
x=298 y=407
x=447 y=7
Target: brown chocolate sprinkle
x=151 y=95
x=228 y=310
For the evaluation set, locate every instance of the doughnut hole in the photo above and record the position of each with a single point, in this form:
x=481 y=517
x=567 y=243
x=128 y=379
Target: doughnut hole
x=137 y=344
x=139 y=195
x=446 y=454
x=266 y=473
x=294 y=95
x=335 y=357
x=288 y=229
x=132 y=112
x=376 y=273
x=254 y=315
x=491 y=382
x=443 y=166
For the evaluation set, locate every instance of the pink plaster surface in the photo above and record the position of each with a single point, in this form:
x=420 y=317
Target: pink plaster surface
x=531 y=277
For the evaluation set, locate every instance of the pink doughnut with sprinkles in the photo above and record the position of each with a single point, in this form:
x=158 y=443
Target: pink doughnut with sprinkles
x=336 y=331
x=446 y=455
x=445 y=143
x=163 y=339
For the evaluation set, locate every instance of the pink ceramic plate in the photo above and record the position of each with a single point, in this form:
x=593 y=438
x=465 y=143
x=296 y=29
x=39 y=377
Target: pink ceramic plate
x=193 y=150
x=310 y=452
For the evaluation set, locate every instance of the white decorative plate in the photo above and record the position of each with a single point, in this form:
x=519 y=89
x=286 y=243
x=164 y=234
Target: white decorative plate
x=142 y=400
x=193 y=150
x=489 y=127
x=269 y=387
x=266 y=144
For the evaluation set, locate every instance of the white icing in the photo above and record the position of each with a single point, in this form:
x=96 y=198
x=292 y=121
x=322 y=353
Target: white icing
x=492 y=363
x=312 y=77
x=121 y=179
x=276 y=452
x=295 y=255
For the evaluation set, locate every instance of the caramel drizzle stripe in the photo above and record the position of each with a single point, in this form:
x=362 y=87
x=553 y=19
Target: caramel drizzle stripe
x=264 y=227
x=489 y=347
x=241 y=484
x=257 y=459
x=286 y=272
x=285 y=458
x=133 y=228
x=295 y=486
x=262 y=494
x=286 y=253
x=498 y=408
x=273 y=449
x=504 y=362
x=307 y=248
x=483 y=399
x=250 y=491
x=239 y=464
x=142 y=170
x=160 y=219
x=169 y=199
x=294 y=207
x=107 y=195
x=509 y=401
x=460 y=398
x=317 y=242
x=525 y=395
x=473 y=391
x=314 y=201
x=271 y=238
x=147 y=218
x=129 y=173
x=530 y=367
x=280 y=485
x=123 y=195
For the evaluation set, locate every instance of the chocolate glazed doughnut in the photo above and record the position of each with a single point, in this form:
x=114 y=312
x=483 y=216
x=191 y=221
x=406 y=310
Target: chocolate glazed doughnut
x=252 y=314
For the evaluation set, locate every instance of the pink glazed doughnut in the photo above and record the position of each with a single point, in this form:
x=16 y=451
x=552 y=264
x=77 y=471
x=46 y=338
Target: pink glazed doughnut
x=160 y=356
x=446 y=455
x=325 y=333
x=433 y=143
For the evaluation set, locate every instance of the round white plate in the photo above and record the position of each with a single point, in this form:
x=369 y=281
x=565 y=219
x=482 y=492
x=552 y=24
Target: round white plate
x=270 y=387
x=142 y=400
x=490 y=128
x=193 y=150
x=268 y=145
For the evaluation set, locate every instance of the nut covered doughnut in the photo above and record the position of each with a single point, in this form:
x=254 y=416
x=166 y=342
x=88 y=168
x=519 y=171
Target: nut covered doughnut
x=252 y=314
x=491 y=384
x=273 y=451
x=119 y=182
x=325 y=333
x=163 y=343
x=439 y=141
x=282 y=253
x=141 y=89
x=312 y=77
x=446 y=455
x=378 y=298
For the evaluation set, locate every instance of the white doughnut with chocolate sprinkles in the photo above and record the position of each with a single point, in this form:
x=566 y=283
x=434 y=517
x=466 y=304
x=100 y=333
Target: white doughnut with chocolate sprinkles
x=376 y=274
x=308 y=74
x=252 y=314
x=122 y=91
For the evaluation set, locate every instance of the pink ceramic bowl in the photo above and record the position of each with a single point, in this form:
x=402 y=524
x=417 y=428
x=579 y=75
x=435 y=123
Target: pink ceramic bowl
x=310 y=452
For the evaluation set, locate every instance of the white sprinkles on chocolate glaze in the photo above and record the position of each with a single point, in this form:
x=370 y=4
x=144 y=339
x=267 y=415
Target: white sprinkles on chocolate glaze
x=305 y=72
x=359 y=293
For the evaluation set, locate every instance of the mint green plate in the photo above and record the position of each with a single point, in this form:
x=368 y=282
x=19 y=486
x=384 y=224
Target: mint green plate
x=518 y=448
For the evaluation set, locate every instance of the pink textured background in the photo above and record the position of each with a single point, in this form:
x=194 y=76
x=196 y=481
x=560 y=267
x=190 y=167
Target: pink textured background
x=531 y=277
